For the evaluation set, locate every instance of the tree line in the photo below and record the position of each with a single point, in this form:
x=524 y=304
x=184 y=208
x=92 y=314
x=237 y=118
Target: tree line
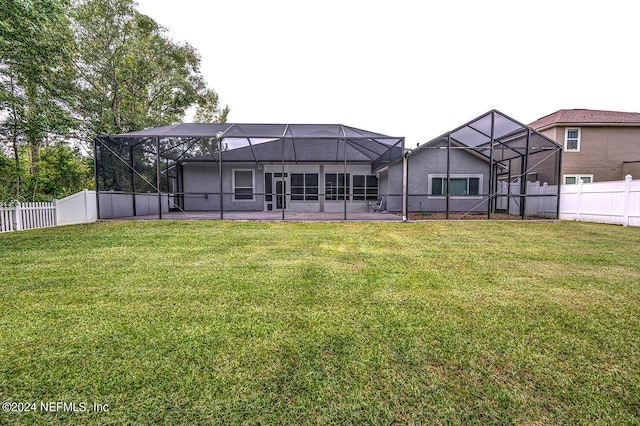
x=74 y=69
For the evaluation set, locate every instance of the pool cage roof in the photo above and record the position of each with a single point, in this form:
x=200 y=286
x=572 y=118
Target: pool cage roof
x=144 y=160
x=508 y=138
x=517 y=154
x=301 y=142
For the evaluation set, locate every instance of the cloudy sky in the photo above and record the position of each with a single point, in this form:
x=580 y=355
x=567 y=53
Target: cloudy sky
x=407 y=67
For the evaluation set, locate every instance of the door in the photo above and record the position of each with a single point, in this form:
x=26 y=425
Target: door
x=280 y=193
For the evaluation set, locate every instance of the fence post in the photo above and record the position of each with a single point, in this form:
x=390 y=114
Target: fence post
x=85 y=194
x=579 y=202
x=627 y=200
x=17 y=222
x=542 y=207
x=56 y=214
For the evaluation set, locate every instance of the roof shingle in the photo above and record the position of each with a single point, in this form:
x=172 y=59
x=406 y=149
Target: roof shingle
x=577 y=116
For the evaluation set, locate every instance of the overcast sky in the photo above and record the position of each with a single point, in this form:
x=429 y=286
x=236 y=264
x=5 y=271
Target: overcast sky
x=407 y=67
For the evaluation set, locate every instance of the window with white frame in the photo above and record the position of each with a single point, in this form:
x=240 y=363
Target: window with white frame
x=460 y=185
x=573 y=179
x=572 y=139
x=243 y=185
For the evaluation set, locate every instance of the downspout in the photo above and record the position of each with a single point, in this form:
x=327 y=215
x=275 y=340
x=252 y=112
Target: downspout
x=219 y=140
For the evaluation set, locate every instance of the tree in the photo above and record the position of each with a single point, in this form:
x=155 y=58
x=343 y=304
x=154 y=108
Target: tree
x=73 y=69
x=36 y=75
x=63 y=171
x=131 y=75
x=208 y=110
x=6 y=179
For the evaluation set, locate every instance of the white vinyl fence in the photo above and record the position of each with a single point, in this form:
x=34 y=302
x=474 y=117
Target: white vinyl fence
x=603 y=202
x=540 y=200
x=18 y=216
x=76 y=208
x=615 y=202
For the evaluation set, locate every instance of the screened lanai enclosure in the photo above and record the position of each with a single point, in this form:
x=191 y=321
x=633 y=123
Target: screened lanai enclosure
x=276 y=169
x=491 y=166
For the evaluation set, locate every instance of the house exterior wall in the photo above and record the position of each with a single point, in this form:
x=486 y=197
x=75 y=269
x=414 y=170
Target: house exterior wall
x=200 y=178
x=631 y=168
x=604 y=151
x=201 y=184
x=424 y=163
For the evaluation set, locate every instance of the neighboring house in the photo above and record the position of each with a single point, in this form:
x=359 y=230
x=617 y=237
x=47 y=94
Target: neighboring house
x=598 y=145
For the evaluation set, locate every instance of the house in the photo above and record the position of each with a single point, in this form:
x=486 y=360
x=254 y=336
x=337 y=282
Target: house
x=598 y=145
x=317 y=168
x=302 y=174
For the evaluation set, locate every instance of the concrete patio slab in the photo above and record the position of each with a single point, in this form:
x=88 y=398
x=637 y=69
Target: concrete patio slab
x=270 y=216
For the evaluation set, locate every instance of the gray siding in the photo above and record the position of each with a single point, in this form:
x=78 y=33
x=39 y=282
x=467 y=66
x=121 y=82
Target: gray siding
x=427 y=161
x=202 y=187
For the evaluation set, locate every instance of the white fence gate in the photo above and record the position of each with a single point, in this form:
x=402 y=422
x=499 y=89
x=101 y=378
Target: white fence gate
x=76 y=208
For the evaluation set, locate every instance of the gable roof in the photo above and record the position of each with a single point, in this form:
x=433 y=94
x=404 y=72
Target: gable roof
x=586 y=116
x=298 y=151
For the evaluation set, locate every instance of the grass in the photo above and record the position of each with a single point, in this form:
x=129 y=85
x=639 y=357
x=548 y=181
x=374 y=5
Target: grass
x=316 y=323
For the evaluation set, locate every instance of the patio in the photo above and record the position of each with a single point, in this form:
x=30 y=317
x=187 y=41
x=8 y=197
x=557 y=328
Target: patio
x=270 y=216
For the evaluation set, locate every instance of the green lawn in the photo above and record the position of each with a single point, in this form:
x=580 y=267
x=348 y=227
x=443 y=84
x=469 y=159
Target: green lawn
x=347 y=323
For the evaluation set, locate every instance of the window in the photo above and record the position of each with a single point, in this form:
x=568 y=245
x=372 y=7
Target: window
x=268 y=185
x=572 y=140
x=243 y=185
x=336 y=187
x=365 y=187
x=304 y=187
x=467 y=185
x=573 y=179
